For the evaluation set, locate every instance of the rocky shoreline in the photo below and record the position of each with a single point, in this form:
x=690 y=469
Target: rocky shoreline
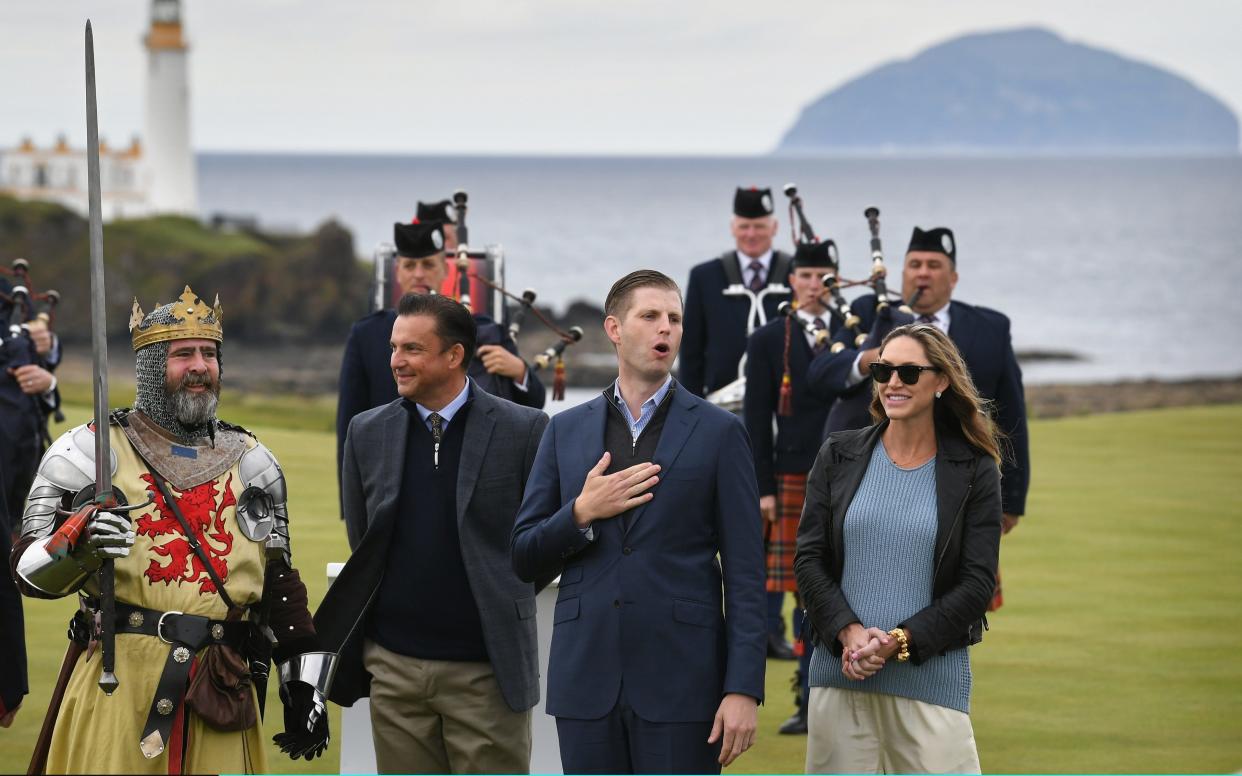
x=312 y=370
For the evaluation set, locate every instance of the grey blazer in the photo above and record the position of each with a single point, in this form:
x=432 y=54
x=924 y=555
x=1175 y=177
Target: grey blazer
x=501 y=439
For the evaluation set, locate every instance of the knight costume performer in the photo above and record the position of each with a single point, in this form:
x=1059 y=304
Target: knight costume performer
x=205 y=590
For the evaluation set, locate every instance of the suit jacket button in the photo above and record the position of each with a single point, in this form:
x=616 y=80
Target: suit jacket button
x=616 y=603
x=627 y=550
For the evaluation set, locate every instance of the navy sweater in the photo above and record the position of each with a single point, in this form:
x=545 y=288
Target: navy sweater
x=425 y=607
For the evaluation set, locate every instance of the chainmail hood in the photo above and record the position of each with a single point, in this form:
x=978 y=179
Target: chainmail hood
x=150 y=367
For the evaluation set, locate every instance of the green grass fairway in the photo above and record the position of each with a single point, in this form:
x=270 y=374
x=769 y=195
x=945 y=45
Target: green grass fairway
x=1116 y=651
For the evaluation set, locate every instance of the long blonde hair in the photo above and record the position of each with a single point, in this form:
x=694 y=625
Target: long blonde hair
x=960 y=409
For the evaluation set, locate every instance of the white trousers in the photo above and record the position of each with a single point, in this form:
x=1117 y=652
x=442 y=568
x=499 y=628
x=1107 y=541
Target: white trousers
x=867 y=732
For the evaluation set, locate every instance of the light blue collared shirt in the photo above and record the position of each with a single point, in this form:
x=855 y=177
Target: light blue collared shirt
x=449 y=410
x=645 y=412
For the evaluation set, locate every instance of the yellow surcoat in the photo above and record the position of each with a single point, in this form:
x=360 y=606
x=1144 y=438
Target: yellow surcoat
x=96 y=733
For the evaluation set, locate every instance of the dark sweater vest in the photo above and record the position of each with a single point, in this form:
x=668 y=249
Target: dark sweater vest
x=625 y=450
x=425 y=607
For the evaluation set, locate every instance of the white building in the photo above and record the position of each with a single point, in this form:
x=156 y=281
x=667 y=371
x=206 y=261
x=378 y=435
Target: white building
x=157 y=176
x=57 y=173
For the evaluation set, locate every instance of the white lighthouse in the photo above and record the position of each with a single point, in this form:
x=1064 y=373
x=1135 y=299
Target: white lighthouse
x=169 y=156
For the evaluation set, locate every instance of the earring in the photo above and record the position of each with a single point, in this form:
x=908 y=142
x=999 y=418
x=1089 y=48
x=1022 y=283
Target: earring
x=937 y=394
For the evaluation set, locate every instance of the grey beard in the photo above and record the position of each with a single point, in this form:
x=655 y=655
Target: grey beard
x=191 y=410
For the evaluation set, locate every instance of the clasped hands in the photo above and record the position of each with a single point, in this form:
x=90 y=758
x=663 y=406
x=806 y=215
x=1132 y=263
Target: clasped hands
x=864 y=651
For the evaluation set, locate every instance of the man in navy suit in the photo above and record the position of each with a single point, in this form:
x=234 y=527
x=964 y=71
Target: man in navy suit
x=645 y=500
x=366 y=378
x=982 y=336
x=716 y=325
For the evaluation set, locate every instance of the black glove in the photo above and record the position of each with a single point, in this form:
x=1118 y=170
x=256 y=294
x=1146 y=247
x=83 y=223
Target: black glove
x=306 y=722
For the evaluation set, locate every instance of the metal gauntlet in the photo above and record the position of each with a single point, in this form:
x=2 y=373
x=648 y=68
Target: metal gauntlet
x=315 y=669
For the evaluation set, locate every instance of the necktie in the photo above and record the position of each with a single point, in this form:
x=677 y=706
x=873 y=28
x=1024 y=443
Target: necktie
x=756 y=275
x=820 y=342
x=437 y=433
x=928 y=319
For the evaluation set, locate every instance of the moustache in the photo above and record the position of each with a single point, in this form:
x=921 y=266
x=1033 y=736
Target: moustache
x=191 y=379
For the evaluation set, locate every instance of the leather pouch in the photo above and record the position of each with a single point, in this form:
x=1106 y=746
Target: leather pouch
x=220 y=692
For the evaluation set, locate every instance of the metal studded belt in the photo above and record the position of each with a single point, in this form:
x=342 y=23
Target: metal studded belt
x=185 y=634
x=191 y=630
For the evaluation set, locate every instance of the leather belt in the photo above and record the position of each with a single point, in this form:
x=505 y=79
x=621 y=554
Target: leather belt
x=185 y=634
x=190 y=630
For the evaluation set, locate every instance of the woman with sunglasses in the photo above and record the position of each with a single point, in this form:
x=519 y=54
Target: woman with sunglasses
x=896 y=561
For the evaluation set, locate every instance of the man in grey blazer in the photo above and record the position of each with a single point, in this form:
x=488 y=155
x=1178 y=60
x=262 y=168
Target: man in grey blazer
x=428 y=616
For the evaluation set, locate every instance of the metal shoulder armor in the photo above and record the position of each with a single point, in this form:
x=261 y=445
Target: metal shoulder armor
x=67 y=468
x=262 y=509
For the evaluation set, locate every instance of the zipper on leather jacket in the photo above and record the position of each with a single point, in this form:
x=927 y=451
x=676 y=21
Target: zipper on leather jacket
x=961 y=509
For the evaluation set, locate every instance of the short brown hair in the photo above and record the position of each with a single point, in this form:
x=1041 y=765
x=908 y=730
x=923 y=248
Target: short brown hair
x=618 y=302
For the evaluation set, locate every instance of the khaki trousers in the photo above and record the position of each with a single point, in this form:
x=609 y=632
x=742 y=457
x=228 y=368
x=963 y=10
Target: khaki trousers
x=442 y=716
x=867 y=732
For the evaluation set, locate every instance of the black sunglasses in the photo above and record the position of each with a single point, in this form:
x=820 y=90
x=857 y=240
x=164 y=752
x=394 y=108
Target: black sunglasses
x=909 y=373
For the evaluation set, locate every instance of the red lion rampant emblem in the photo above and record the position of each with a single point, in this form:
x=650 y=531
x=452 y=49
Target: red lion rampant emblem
x=206 y=519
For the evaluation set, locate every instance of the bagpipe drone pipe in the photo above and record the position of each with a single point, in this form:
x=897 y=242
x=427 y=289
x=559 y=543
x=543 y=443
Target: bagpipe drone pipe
x=21 y=307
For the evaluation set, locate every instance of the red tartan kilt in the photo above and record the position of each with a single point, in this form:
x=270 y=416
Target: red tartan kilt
x=783 y=534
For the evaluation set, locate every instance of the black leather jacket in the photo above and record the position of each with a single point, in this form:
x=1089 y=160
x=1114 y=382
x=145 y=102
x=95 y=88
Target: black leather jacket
x=967 y=542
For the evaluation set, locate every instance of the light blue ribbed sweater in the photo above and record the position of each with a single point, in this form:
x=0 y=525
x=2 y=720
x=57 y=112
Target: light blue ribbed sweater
x=890 y=546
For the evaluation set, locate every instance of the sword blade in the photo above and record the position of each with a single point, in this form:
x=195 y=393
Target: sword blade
x=99 y=326
x=99 y=340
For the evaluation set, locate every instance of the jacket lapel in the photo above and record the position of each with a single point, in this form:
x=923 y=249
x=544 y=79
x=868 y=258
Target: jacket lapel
x=587 y=446
x=678 y=426
x=391 y=460
x=962 y=327
x=479 y=425
x=845 y=474
x=953 y=459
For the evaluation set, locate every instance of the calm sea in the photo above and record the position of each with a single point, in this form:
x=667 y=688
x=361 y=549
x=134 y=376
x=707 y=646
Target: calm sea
x=1133 y=264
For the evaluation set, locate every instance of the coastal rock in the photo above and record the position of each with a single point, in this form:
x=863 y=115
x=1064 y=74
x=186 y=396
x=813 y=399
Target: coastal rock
x=282 y=287
x=1016 y=91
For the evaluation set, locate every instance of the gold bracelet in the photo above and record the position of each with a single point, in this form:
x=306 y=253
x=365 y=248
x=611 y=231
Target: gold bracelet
x=904 y=653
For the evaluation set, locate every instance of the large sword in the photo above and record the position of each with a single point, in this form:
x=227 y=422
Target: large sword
x=104 y=498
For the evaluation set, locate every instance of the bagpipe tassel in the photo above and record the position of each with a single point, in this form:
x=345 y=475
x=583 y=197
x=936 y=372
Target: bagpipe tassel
x=784 y=407
x=558 y=380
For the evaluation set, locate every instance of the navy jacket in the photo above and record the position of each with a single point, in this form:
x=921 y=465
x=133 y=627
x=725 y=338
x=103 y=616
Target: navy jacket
x=714 y=327
x=982 y=335
x=652 y=607
x=366 y=378
x=792 y=449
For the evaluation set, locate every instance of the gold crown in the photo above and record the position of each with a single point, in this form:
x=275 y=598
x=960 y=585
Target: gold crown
x=192 y=319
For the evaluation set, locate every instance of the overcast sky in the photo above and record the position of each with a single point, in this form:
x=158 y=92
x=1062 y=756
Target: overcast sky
x=537 y=76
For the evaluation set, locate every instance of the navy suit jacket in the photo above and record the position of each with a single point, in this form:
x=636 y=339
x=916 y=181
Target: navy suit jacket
x=792 y=449
x=982 y=336
x=366 y=377
x=653 y=607
x=714 y=327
